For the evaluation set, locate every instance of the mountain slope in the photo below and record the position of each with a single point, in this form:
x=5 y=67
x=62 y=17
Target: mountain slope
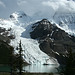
x=32 y=52
x=66 y=21
x=53 y=40
x=42 y=36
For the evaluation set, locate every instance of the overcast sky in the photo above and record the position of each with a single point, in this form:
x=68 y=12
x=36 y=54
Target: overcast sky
x=32 y=7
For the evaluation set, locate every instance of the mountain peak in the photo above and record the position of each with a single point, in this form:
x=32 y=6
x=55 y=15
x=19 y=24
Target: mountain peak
x=20 y=17
x=18 y=14
x=44 y=21
x=43 y=27
x=53 y=40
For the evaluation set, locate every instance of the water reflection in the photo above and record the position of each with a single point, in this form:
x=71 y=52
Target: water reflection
x=41 y=68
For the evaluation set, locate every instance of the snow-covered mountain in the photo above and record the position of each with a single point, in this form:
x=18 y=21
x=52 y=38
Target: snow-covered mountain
x=20 y=25
x=53 y=40
x=20 y=18
x=66 y=21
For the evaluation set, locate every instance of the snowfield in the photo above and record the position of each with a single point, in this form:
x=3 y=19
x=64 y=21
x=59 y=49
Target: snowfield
x=65 y=21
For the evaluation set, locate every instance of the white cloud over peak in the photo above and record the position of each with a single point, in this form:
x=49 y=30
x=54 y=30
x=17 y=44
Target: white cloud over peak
x=46 y=7
x=31 y=7
x=64 y=4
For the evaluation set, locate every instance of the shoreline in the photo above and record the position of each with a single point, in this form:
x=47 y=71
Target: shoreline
x=28 y=73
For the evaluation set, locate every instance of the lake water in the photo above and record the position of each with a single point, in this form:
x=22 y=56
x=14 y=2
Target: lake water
x=41 y=68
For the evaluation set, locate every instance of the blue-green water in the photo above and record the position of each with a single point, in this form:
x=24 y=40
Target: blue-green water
x=41 y=68
x=4 y=68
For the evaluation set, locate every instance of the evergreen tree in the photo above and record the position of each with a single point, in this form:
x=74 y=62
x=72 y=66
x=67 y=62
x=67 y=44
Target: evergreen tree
x=11 y=59
x=20 y=59
x=69 y=69
x=69 y=63
x=16 y=60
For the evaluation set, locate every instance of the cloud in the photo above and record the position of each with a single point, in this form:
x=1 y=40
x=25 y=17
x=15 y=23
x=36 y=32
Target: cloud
x=46 y=7
x=7 y=7
x=30 y=6
x=2 y=4
x=21 y=2
x=59 y=5
x=38 y=7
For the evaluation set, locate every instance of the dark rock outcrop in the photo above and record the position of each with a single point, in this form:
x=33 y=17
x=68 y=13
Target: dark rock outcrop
x=4 y=35
x=41 y=29
x=53 y=41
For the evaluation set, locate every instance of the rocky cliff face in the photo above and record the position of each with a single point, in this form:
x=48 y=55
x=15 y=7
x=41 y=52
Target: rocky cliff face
x=53 y=41
x=41 y=29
